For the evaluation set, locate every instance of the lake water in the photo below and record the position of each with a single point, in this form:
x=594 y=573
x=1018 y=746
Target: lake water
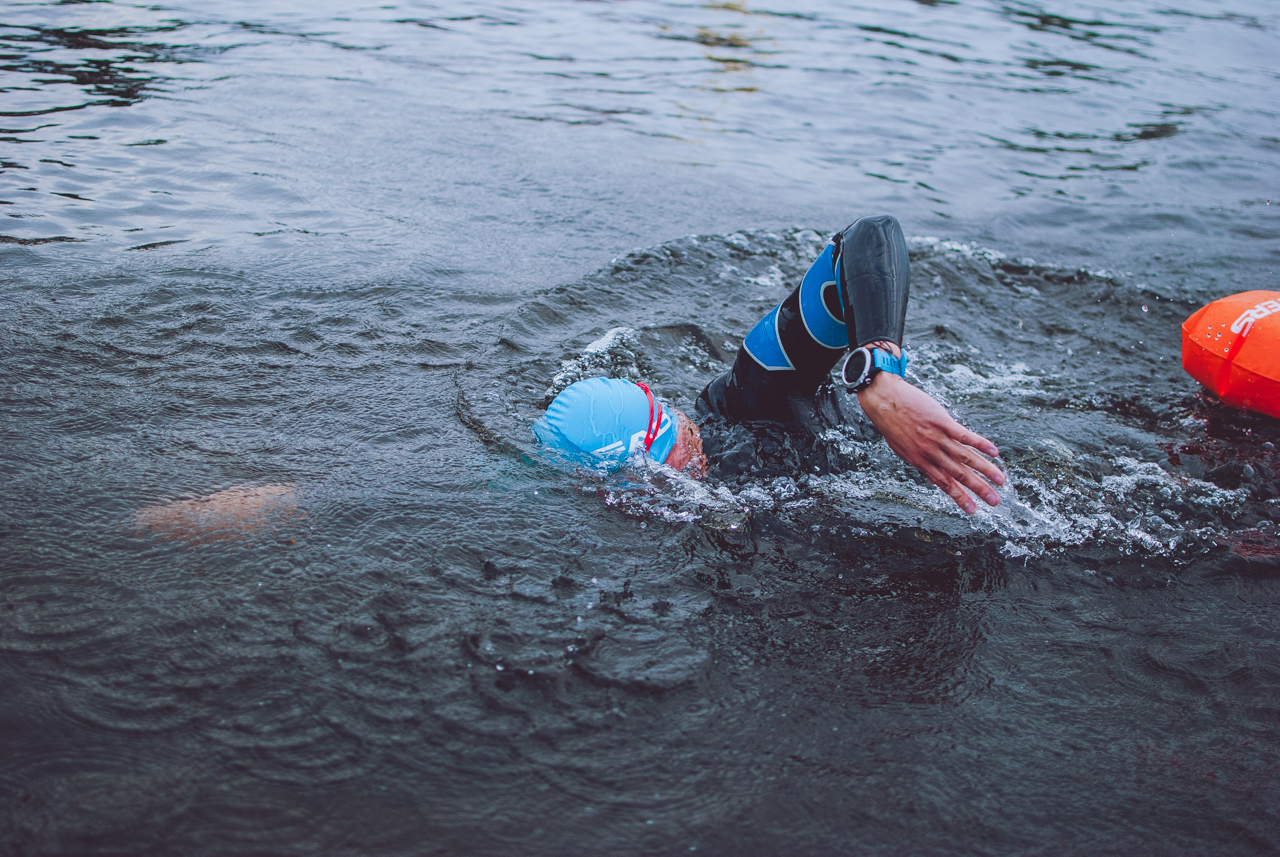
x=350 y=249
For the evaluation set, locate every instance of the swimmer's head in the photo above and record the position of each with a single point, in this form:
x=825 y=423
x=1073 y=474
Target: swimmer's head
x=609 y=420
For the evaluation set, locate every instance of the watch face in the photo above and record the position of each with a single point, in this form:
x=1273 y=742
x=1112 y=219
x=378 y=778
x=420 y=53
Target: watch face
x=856 y=367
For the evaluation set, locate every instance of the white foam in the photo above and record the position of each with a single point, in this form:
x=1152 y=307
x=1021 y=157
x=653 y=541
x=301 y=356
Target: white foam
x=613 y=355
x=773 y=278
x=976 y=251
x=944 y=245
x=616 y=336
x=1015 y=379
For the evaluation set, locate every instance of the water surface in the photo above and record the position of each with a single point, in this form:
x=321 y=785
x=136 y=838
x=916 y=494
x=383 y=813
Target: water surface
x=350 y=249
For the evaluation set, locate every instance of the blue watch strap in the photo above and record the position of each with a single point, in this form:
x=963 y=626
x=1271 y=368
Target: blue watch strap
x=886 y=362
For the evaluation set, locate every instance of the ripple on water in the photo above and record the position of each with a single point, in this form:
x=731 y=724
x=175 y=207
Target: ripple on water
x=225 y=275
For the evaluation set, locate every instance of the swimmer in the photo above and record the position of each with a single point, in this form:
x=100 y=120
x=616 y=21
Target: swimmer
x=854 y=296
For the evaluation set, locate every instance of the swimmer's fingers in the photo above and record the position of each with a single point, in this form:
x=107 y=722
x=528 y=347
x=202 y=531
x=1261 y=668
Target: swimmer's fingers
x=974 y=457
x=975 y=473
x=954 y=467
x=972 y=439
x=953 y=489
x=952 y=470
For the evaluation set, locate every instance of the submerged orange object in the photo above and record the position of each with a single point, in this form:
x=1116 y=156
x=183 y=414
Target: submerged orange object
x=1232 y=346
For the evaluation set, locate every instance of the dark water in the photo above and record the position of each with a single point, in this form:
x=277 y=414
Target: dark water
x=351 y=248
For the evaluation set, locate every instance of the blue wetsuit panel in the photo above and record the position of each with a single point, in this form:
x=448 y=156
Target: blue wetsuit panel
x=763 y=343
x=823 y=327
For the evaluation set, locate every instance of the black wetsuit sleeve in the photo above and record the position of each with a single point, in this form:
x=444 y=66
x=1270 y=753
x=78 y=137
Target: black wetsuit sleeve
x=875 y=280
x=855 y=292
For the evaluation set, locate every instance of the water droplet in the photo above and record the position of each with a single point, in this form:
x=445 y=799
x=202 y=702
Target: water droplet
x=499 y=668
x=1144 y=309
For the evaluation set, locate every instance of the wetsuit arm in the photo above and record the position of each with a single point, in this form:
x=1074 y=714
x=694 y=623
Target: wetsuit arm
x=874 y=272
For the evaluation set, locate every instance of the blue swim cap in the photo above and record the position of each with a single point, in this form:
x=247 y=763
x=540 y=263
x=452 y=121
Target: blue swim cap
x=607 y=418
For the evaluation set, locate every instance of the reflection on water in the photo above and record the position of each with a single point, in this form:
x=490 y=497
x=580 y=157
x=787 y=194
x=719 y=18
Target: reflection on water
x=951 y=110
x=98 y=62
x=289 y=285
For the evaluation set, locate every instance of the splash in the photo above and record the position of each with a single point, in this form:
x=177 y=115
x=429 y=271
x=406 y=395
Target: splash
x=617 y=354
x=926 y=244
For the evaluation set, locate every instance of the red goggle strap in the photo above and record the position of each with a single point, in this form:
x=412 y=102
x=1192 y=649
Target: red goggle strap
x=655 y=418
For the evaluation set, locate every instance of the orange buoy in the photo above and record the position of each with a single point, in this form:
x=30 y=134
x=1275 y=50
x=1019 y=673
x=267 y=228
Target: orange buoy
x=1232 y=346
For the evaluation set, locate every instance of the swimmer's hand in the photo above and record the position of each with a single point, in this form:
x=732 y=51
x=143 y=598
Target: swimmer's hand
x=925 y=436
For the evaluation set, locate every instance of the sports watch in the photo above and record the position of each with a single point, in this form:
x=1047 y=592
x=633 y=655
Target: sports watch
x=863 y=364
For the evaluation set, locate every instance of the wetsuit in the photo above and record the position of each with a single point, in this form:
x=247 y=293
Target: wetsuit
x=855 y=293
